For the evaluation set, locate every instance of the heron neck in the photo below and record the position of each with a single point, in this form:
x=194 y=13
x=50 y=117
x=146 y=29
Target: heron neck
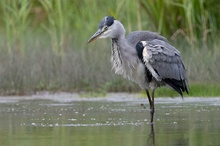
x=125 y=46
x=123 y=57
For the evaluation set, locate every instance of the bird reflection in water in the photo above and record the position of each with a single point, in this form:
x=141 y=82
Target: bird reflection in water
x=151 y=137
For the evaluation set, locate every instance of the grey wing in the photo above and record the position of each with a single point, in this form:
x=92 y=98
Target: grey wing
x=165 y=61
x=137 y=36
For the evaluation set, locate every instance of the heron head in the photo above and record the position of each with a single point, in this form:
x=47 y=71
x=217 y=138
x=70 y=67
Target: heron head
x=104 y=29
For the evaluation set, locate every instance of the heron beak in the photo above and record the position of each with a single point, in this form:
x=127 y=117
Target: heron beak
x=95 y=36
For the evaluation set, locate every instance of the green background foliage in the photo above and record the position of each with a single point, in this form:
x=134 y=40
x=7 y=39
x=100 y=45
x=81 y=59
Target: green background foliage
x=43 y=42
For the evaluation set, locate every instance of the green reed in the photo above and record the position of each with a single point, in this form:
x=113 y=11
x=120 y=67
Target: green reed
x=43 y=42
x=197 y=21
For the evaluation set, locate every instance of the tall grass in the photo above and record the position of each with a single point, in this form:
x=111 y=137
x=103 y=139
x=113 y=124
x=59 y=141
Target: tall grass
x=196 y=20
x=43 y=43
x=15 y=17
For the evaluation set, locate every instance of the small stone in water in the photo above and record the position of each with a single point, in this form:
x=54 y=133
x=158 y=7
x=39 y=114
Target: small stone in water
x=33 y=124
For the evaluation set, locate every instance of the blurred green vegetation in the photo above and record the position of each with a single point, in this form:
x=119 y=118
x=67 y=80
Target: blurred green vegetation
x=43 y=42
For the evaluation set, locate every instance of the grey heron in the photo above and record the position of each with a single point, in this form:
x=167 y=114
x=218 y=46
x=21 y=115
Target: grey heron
x=143 y=57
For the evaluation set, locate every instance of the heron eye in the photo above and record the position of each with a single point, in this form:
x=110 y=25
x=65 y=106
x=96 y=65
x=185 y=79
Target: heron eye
x=105 y=28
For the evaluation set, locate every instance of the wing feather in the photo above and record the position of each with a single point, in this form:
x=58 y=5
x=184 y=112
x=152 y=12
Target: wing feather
x=167 y=63
x=165 y=59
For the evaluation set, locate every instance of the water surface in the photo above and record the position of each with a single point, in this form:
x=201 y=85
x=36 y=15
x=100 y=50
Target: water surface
x=115 y=120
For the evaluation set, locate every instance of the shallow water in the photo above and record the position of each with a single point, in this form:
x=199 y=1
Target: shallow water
x=115 y=120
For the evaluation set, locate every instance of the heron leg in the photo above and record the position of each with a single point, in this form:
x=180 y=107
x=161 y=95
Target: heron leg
x=148 y=96
x=152 y=107
x=151 y=102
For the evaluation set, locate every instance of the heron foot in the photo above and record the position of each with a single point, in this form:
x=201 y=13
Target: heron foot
x=151 y=111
